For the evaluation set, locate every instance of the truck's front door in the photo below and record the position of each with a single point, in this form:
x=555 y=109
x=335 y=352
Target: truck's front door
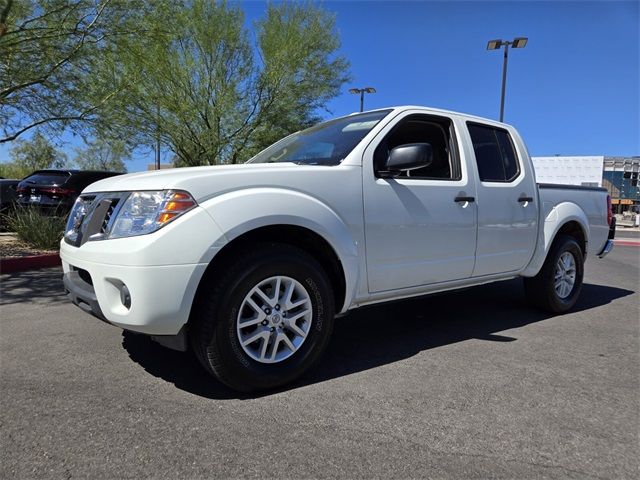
x=507 y=201
x=420 y=227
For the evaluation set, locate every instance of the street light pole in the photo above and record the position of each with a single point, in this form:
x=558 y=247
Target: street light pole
x=362 y=91
x=518 y=42
x=504 y=79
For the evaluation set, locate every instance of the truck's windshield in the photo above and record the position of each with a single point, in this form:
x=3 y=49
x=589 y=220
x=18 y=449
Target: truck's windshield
x=327 y=143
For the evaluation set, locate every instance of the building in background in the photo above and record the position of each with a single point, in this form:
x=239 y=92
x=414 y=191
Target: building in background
x=620 y=178
x=619 y=175
x=163 y=166
x=585 y=171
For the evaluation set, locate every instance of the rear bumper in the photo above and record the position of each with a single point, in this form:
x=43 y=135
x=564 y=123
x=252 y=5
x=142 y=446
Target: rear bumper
x=61 y=206
x=608 y=246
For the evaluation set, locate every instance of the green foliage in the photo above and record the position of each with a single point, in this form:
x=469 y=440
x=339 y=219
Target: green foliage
x=37 y=229
x=47 y=49
x=34 y=154
x=102 y=154
x=11 y=170
x=186 y=72
x=37 y=153
x=196 y=81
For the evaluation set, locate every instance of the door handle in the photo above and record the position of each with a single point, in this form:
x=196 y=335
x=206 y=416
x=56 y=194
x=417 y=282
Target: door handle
x=464 y=199
x=525 y=199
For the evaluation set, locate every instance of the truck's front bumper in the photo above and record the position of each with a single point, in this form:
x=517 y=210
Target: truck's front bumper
x=151 y=300
x=145 y=283
x=82 y=294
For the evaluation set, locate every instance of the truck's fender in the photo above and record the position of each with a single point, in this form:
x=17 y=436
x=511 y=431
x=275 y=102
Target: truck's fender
x=241 y=211
x=555 y=217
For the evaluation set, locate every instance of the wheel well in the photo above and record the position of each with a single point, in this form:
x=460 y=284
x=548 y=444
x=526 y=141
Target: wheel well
x=573 y=229
x=300 y=237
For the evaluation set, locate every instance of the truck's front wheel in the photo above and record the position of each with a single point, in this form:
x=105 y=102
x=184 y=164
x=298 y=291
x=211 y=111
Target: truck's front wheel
x=266 y=320
x=557 y=286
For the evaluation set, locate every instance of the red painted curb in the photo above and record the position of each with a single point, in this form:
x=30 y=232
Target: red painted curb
x=20 y=264
x=627 y=243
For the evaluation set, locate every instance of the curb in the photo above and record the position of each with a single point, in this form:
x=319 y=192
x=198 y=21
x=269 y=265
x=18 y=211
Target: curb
x=34 y=262
x=627 y=243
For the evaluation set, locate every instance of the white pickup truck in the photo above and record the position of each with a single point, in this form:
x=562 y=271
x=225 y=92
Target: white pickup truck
x=248 y=264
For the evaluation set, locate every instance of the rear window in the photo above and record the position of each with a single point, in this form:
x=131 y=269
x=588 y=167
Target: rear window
x=495 y=154
x=81 y=180
x=47 y=178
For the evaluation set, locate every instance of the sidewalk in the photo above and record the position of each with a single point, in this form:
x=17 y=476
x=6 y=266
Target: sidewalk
x=627 y=234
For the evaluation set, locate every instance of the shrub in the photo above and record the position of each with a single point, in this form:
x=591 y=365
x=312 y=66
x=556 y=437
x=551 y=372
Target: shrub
x=37 y=228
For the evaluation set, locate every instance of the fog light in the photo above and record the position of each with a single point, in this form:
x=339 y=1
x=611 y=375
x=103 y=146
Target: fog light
x=125 y=296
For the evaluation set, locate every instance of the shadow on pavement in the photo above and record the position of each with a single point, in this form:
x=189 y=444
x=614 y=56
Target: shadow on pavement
x=378 y=335
x=34 y=286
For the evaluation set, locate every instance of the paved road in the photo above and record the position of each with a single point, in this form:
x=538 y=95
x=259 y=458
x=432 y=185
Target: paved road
x=633 y=233
x=472 y=384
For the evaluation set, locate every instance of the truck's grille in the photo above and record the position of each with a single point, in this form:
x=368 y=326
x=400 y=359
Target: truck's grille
x=104 y=228
x=94 y=219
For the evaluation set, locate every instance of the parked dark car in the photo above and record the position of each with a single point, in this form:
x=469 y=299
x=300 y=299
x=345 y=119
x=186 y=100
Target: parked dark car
x=8 y=197
x=56 y=189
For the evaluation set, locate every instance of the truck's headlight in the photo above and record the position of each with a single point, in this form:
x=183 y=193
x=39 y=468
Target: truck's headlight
x=146 y=212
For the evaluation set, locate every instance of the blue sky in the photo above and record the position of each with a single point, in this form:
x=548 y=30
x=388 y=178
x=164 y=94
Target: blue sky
x=574 y=89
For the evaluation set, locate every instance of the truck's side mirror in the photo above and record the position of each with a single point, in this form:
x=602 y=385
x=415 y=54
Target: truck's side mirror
x=406 y=157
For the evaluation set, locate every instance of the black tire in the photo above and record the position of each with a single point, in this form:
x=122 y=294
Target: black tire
x=540 y=290
x=213 y=332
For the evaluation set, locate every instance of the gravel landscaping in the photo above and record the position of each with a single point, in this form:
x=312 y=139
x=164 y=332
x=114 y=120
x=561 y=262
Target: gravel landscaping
x=12 y=247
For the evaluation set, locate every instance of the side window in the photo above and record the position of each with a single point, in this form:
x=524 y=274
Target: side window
x=436 y=131
x=495 y=154
x=509 y=159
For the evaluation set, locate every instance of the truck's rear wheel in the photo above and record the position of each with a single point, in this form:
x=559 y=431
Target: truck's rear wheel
x=557 y=286
x=264 y=321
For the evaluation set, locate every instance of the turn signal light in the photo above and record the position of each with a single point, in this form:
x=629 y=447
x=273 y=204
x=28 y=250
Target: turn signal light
x=177 y=203
x=165 y=217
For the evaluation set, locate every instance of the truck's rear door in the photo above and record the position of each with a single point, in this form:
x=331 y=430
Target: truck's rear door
x=507 y=200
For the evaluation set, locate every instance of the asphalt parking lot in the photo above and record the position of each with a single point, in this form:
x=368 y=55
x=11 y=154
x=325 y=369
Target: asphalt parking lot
x=463 y=385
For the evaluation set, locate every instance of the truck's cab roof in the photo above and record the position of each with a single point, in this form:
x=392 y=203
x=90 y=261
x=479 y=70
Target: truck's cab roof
x=400 y=108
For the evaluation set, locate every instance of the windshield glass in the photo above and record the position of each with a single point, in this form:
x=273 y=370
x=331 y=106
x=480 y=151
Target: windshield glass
x=327 y=143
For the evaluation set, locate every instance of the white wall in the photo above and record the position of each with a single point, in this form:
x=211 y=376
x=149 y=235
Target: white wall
x=569 y=170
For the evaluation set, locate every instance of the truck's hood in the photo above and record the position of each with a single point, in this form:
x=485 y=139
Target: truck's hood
x=204 y=182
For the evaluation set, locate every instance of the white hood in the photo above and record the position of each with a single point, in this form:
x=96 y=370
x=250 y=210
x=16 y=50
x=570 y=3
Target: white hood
x=205 y=182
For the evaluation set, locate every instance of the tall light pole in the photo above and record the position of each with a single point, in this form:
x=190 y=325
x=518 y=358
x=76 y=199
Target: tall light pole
x=518 y=42
x=362 y=91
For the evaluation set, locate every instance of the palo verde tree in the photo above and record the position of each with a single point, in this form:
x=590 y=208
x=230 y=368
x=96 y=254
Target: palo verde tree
x=214 y=92
x=47 y=50
x=36 y=153
x=102 y=154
